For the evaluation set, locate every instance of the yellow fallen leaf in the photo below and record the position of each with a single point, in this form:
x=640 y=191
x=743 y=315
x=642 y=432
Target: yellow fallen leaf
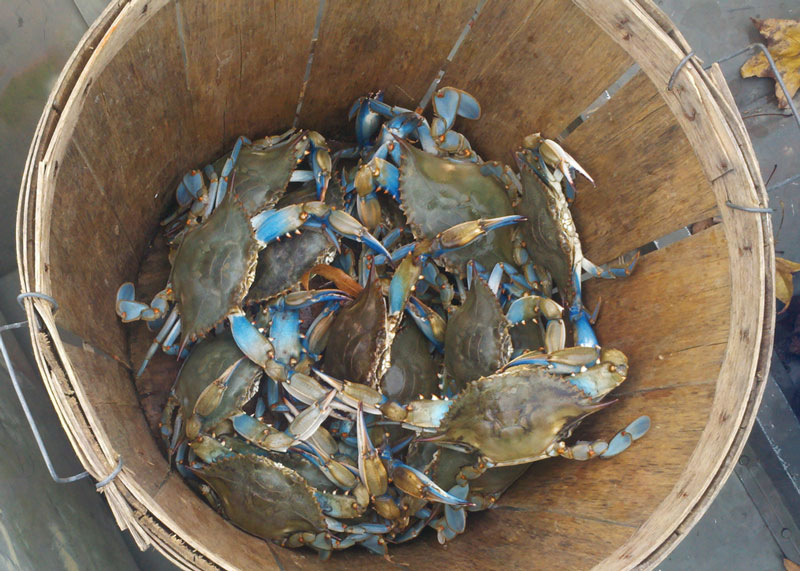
x=783 y=42
x=790 y=565
x=784 y=287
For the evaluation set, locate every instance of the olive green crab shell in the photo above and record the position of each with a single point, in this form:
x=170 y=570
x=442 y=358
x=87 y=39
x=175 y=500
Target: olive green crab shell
x=208 y=361
x=263 y=497
x=476 y=342
x=437 y=193
x=513 y=417
x=213 y=269
x=550 y=235
x=262 y=174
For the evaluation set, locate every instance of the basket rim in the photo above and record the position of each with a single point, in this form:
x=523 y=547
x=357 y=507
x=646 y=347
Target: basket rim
x=621 y=19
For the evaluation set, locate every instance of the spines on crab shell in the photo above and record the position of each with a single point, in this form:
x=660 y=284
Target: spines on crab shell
x=514 y=416
x=438 y=193
x=263 y=497
x=209 y=259
x=360 y=339
x=282 y=263
x=263 y=174
x=550 y=235
x=477 y=340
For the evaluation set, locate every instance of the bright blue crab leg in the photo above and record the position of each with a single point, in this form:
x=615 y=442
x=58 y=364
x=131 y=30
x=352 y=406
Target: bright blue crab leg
x=126 y=292
x=624 y=438
x=285 y=334
x=607 y=272
x=400 y=252
x=273 y=224
x=320 y=159
x=392 y=237
x=250 y=340
x=449 y=102
x=130 y=310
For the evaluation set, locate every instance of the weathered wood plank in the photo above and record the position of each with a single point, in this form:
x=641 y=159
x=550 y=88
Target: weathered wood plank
x=89 y=257
x=646 y=189
x=245 y=62
x=534 y=67
x=671 y=317
x=368 y=46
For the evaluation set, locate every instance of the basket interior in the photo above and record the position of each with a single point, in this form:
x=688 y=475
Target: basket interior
x=183 y=79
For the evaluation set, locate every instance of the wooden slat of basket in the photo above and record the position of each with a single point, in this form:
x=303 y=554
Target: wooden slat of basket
x=644 y=190
x=651 y=316
x=509 y=63
x=375 y=30
x=82 y=305
x=219 y=39
x=732 y=412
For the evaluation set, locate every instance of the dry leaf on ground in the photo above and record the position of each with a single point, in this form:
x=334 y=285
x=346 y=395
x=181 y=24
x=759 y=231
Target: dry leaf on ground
x=784 y=287
x=783 y=40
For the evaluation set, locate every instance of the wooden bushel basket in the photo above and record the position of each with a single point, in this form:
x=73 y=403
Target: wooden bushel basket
x=159 y=86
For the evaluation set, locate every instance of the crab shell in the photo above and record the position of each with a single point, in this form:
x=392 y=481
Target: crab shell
x=550 y=234
x=263 y=497
x=477 y=342
x=205 y=395
x=516 y=416
x=359 y=339
x=438 y=193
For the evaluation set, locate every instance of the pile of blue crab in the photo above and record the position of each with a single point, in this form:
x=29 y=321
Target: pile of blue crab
x=369 y=340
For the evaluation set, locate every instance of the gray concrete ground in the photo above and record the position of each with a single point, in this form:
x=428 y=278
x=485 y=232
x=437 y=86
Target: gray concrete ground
x=48 y=526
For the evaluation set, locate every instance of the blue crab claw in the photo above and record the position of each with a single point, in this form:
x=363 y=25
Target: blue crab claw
x=562 y=362
x=370 y=468
x=126 y=292
x=378 y=174
x=349 y=227
x=449 y=102
x=624 y=438
x=583 y=330
x=554 y=155
x=303 y=299
x=465 y=233
x=189 y=188
x=250 y=340
x=321 y=165
x=456 y=518
x=368 y=122
x=262 y=434
x=418 y=485
x=131 y=310
x=369 y=210
x=403 y=283
x=429 y=322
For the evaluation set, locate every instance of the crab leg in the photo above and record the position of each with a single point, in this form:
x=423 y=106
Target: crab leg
x=607 y=272
x=564 y=362
x=172 y=322
x=410 y=269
